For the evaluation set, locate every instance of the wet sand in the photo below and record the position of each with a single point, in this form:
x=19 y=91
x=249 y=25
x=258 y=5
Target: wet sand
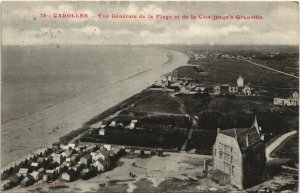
x=29 y=133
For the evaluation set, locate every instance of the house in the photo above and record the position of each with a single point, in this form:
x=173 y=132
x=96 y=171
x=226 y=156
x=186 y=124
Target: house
x=217 y=89
x=293 y=100
x=41 y=170
x=85 y=174
x=132 y=125
x=238 y=156
x=15 y=179
x=108 y=147
x=103 y=154
x=40 y=161
x=105 y=163
x=160 y=152
x=102 y=132
x=137 y=152
x=51 y=165
x=34 y=166
x=147 y=152
x=247 y=90
x=99 y=166
x=113 y=124
x=86 y=159
x=69 y=152
x=69 y=175
x=117 y=151
x=36 y=175
x=50 y=175
x=129 y=151
x=23 y=171
x=27 y=181
x=233 y=89
x=58 y=158
x=98 y=125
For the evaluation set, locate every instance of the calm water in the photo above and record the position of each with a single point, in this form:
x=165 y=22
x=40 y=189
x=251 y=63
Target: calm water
x=36 y=77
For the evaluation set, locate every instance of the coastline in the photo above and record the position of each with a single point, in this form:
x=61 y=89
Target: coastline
x=25 y=135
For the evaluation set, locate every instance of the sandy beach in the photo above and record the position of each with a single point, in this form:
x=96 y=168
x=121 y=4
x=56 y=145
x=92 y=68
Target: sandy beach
x=27 y=134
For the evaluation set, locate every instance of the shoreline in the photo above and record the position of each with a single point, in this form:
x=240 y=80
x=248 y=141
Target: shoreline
x=70 y=116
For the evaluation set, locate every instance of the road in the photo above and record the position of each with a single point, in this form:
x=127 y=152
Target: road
x=276 y=143
x=272 y=69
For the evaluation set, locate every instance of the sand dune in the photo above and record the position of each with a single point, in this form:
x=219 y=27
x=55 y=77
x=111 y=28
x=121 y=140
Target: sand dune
x=29 y=133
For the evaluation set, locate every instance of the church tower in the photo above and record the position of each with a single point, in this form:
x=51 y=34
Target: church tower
x=240 y=81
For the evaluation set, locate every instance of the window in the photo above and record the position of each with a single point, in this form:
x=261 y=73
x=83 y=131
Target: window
x=215 y=152
x=227 y=168
x=221 y=154
x=227 y=158
x=221 y=146
x=227 y=149
x=232 y=170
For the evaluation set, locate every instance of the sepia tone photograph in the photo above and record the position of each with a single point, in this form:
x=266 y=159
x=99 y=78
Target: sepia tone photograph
x=150 y=96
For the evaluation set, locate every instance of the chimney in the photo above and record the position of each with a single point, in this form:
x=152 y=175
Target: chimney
x=235 y=134
x=247 y=140
x=205 y=168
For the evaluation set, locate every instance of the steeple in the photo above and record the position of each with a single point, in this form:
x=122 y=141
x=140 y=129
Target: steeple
x=255 y=124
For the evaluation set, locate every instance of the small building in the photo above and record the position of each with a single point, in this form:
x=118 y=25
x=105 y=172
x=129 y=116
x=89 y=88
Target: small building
x=23 y=171
x=102 y=132
x=85 y=174
x=137 y=152
x=58 y=158
x=103 y=155
x=36 y=175
x=50 y=175
x=16 y=179
x=113 y=124
x=27 y=181
x=147 y=152
x=217 y=89
x=105 y=163
x=233 y=89
x=69 y=175
x=108 y=147
x=247 y=90
x=117 y=151
x=41 y=161
x=34 y=166
x=86 y=159
x=99 y=165
x=132 y=125
x=293 y=100
x=160 y=152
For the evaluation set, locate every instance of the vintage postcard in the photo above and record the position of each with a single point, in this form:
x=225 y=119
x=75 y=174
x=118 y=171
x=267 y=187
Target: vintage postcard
x=150 y=96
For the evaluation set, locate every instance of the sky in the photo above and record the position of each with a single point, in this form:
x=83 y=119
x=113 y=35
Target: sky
x=22 y=24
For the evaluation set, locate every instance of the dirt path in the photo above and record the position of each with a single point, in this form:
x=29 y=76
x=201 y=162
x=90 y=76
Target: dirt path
x=276 y=143
x=272 y=69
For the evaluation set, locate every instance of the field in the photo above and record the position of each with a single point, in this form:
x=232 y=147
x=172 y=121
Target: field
x=258 y=77
x=157 y=102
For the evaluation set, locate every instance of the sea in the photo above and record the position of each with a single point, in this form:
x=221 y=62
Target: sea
x=38 y=77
